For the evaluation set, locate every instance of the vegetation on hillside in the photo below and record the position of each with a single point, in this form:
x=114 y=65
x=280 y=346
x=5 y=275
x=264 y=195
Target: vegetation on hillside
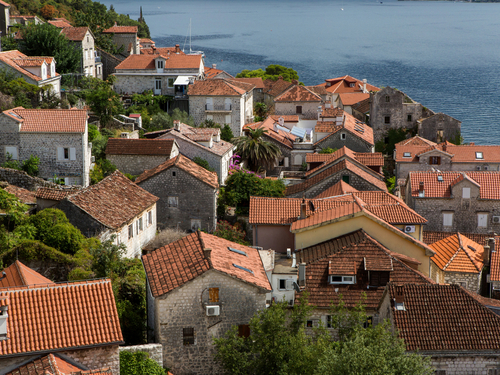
x=272 y=72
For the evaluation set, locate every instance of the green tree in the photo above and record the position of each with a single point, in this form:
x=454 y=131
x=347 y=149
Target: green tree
x=182 y=116
x=393 y=136
x=101 y=98
x=47 y=40
x=272 y=72
x=230 y=232
x=203 y=163
x=14 y=209
x=139 y=363
x=226 y=134
x=160 y=121
x=9 y=43
x=256 y=151
x=328 y=150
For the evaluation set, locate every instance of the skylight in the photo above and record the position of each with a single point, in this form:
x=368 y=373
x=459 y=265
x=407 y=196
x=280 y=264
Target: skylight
x=479 y=155
x=243 y=268
x=440 y=178
x=407 y=155
x=241 y=252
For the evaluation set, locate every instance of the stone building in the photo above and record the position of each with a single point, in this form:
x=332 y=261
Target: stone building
x=114 y=207
x=440 y=127
x=198 y=287
x=58 y=137
x=459 y=260
x=373 y=160
x=223 y=101
x=165 y=74
x=258 y=90
x=272 y=89
x=456 y=201
x=83 y=39
x=343 y=85
x=418 y=154
x=134 y=156
x=204 y=143
x=187 y=194
x=213 y=72
x=298 y=100
x=76 y=320
x=37 y=70
x=446 y=323
x=4 y=17
x=125 y=39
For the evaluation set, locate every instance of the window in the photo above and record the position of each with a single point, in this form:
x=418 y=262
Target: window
x=170 y=82
x=160 y=64
x=210 y=117
x=352 y=85
x=368 y=322
x=213 y=295
x=174 y=174
x=227 y=104
x=282 y=284
x=173 y=201
x=150 y=218
x=328 y=321
x=387 y=99
x=440 y=135
x=137 y=227
x=345 y=178
x=479 y=155
x=342 y=136
x=447 y=219
x=409 y=118
x=130 y=231
x=140 y=224
x=335 y=279
x=12 y=151
x=482 y=220
x=387 y=119
x=244 y=330
x=86 y=55
x=158 y=84
x=309 y=324
x=66 y=153
x=228 y=119
x=298 y=109
x=440 y=178
x=466 y=193
x=88 y=39
x=435 y=160
x=407 y=154
x=188 y=336
x=285 y=284
x=195 y=224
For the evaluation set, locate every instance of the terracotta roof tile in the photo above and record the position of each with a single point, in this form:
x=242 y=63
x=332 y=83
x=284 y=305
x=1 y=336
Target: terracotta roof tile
x=24 y=195
x=458 y=154
x=49 y=120
x=180 y=161
x=113 y=201
x=219 y=87
x=351 y=98
x=332 y=257
x=212 y=73
x=172 y=61
x=18 y=60
x=4 y=4
x=172 y=266
x=458 y=253
x=343 y=84
x=17 y=274
x=340 y=188
x=286 y=118
x=275 y=88
x=257 y=81
x=416 y=141
x=164 y=51
x=61 y=317
x=55 y=194
x=365 y=158
x=60 y=24
x=443 y=318
x=332 y=112
x=488 y=182
x=370 y=159
x=320 y=90
x=76 y=34
x=122 y=146
x=351 y=124
x=122 y=30
x=297 y=93
x=279 y=135
x=363 y=106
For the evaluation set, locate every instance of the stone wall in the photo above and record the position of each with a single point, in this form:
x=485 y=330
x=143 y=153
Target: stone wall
x=466 y=364
x=24 y=180
x=195 y=199
x=136 y=164
x=97 y=358
x=117 y=124
x=81 y=220
x=126 y=40
x=185 y=307
x=470 y=281
x=439 y=128
x=109 y=62
x=309 y=109
x=352 y=142
x=128 y=84
x=155 y=351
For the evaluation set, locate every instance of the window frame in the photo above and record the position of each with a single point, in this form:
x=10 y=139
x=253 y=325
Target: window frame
x=131 y=231
x=298 y=109
x=188 y=336
x=479 y=155
x=434 y=160
x=214 y=295
x=387 y=99
x=343 y=280
x=149 y=217
x=170 y=85
x=409 y=117
x=483 y=214
x=173 y=201
x=466 y=192
x=445 y=215
x=387 y=120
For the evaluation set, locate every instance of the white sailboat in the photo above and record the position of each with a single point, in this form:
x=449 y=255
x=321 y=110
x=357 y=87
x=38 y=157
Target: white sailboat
x=191 y=52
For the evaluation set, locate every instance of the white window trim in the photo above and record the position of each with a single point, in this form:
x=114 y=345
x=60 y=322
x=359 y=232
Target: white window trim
x=345 y=279
x=448 y=215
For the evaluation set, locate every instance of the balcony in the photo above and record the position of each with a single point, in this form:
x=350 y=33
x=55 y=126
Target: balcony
x=218 y=108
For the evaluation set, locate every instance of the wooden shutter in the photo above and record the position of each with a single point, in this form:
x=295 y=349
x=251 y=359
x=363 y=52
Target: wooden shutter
x=60 y=153
x=213 y=295
x=438 y=160
x=72 y=153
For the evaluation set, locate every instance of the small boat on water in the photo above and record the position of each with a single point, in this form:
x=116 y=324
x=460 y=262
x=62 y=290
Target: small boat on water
x=191 y=52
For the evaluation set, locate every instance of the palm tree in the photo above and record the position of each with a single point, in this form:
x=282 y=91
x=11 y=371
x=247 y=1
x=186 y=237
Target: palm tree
x=256 y=151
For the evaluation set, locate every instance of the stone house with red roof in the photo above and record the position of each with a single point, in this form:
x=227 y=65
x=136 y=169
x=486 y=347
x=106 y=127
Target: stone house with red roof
x=37 y=70
x=45 y=318
x=298 y=100
x=198 y=287
x=134 y=156
x=114 y=207
x=447 y=323
x=83 y=39
x=187 y=194
x=222 y=100
x=57 y=136
x=346 y=84
x=165 y=73
x=456 y=201
x=125 y=38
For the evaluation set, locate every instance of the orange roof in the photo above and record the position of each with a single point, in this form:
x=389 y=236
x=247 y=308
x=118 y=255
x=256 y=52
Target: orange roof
x=257 y=81
x=123 y=146
x=24 y=195
x=346 y=84
x=416 y=141
x=173 y=265
x=331 y=112
x=17 y=274
x=458 y=253
x=4 y=4
x=55 y=194
x=180 y=161
x=487 y=181
x=172 y=61
x=18 y=60
x=60 y=317
x=297 y=93
x=219 y=87
x=49 y=120
x=76 y=34
x=365 y=158
x=122 y=30
x=340 y=188
x=351 y=98
x=358 y=252
x=60 y=24
x=166 y=51
x=212 y=72
x=113 y=201
x=350 y=123
x=286 y=118
x=279 y=135
x=274 y=88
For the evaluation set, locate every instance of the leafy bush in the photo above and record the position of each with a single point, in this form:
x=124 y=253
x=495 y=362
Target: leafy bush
x=65 y=238
x=45 y=220
x=231 y=232
x=139 y=363
x=203 y=163
x=328 y=150
x=30 y=166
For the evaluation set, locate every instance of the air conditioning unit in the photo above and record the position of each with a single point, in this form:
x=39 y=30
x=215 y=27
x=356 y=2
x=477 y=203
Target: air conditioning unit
x=496 y=219
x=213 y=310
x=410 y=229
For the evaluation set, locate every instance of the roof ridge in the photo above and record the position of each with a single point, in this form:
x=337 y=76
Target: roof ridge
x=18 y=269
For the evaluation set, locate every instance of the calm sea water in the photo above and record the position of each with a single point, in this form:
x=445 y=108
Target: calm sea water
x=443 y=54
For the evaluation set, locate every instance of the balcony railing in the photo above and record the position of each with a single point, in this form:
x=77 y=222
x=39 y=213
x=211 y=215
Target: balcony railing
x=218 y=108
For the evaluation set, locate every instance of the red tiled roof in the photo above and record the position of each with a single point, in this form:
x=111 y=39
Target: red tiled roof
x=172 y=61
x=332 y=112
x=458 y=154
x=297 y=93
x=458 y=253
x=172 y=266
x=257 y=81
x=275 y=88
x=212 y=73
x=219 y=87
x=76 y=34
x=352 y=124
x=113 y=201
x=49 y=120
x=17 y=274
x=320 y=90
x=180 y=161
x=122 y=30
x=54 y=194
x=327 y=127
x=286 y=118
x=281 y=136
x=322 y=217
x=164 y=51
x=416 y=141
x=61 y=317
x=340 y=188
x=18 y=60
x=60 y=24
x=331 y=257
x=365 y=158
x=370 y=159
x=429 y=237
x=343 y=84
x=4 y=4
x=24 y=195
x=122 y=146
x=351 y=98
x=363 y=106
x=488 y=182
x=443 y=318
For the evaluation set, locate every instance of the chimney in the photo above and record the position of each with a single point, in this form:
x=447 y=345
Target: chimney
x=214 y=66
x=177 y=125
x=302 y=274
x=421 y=187
x=489 y=249
x=177 y=49
x=364 y=86
x=154 y=50
x=471 y=144
x=295 y=82
x=303 y=207
x=207 y=253
x=116 y=24
x=444 y=147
